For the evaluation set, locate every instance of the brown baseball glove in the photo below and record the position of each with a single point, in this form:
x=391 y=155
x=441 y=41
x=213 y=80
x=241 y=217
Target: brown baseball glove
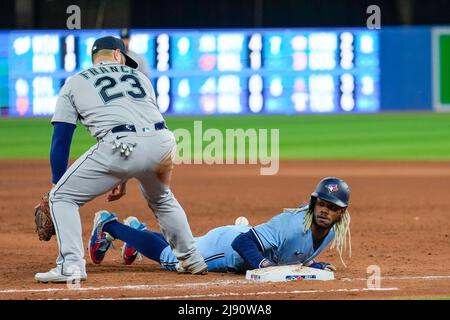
x=43 y=219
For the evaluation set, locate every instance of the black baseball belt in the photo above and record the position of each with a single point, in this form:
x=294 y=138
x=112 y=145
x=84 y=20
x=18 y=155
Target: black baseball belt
x=131 y=128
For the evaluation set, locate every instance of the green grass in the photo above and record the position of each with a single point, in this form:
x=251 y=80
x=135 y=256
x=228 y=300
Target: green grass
x=405 y=136
x=433 y=298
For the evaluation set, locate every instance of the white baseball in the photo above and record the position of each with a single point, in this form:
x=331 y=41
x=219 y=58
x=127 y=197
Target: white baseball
x=241 y=221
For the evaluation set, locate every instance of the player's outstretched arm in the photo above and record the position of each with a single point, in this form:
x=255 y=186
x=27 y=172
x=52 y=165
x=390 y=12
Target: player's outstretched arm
x=60 y=149
x=250 y=250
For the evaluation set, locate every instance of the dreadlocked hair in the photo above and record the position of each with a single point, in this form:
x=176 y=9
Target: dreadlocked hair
x=342 y=234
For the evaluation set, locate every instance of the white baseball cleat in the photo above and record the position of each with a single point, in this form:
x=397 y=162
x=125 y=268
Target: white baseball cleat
x=55 y=275
x=197 y=268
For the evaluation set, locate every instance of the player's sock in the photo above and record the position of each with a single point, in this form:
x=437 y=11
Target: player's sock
x=148 y=243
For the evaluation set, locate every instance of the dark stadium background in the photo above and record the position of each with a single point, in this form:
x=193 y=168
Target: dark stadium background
x=48 y=14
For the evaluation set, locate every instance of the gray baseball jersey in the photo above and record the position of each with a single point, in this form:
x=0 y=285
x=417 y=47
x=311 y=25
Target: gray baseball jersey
x=104 y=97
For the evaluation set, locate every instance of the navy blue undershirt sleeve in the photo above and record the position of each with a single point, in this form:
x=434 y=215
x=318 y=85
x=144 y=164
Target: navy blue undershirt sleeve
x=248 y=247
x=60 y=148
x=149 y=243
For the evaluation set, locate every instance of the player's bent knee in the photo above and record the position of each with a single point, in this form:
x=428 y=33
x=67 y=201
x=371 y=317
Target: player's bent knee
x=161 y=200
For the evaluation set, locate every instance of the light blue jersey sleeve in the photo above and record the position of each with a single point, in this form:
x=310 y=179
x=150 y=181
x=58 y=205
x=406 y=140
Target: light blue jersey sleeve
x=284 y=240
x=276 y=231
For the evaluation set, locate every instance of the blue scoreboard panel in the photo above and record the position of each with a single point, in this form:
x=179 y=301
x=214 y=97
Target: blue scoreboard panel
x=196 y=72
x=4 y=66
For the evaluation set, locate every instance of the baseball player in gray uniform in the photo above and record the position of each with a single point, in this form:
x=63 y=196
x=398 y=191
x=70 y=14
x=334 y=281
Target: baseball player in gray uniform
x=117 y=104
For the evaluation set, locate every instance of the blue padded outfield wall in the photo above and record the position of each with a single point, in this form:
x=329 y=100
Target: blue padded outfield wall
x=235 y=71
x=406 y=68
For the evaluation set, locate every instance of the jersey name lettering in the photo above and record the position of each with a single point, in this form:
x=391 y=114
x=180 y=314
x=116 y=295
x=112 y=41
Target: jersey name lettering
x=96 y=71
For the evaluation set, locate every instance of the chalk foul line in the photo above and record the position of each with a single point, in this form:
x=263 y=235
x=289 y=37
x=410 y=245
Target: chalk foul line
x=235 y=294
x=200 y=284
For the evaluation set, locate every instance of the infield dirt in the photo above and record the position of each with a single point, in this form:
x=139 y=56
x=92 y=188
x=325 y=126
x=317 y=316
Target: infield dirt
x=400 y=222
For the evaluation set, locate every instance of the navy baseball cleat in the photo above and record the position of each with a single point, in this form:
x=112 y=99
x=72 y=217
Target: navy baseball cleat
x=129 y=253
x=100 y=241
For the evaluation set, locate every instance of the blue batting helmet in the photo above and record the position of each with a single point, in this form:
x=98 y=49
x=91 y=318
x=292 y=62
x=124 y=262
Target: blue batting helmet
x=333 y=190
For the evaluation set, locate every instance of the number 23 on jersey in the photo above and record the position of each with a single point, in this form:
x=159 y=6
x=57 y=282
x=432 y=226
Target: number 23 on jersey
x=107 y=85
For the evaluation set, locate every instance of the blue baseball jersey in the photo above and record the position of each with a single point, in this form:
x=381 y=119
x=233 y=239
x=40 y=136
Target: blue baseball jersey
x=282 y=239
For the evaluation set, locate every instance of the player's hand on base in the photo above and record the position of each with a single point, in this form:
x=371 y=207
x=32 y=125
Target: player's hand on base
x=323 y=265
x=118 y=192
